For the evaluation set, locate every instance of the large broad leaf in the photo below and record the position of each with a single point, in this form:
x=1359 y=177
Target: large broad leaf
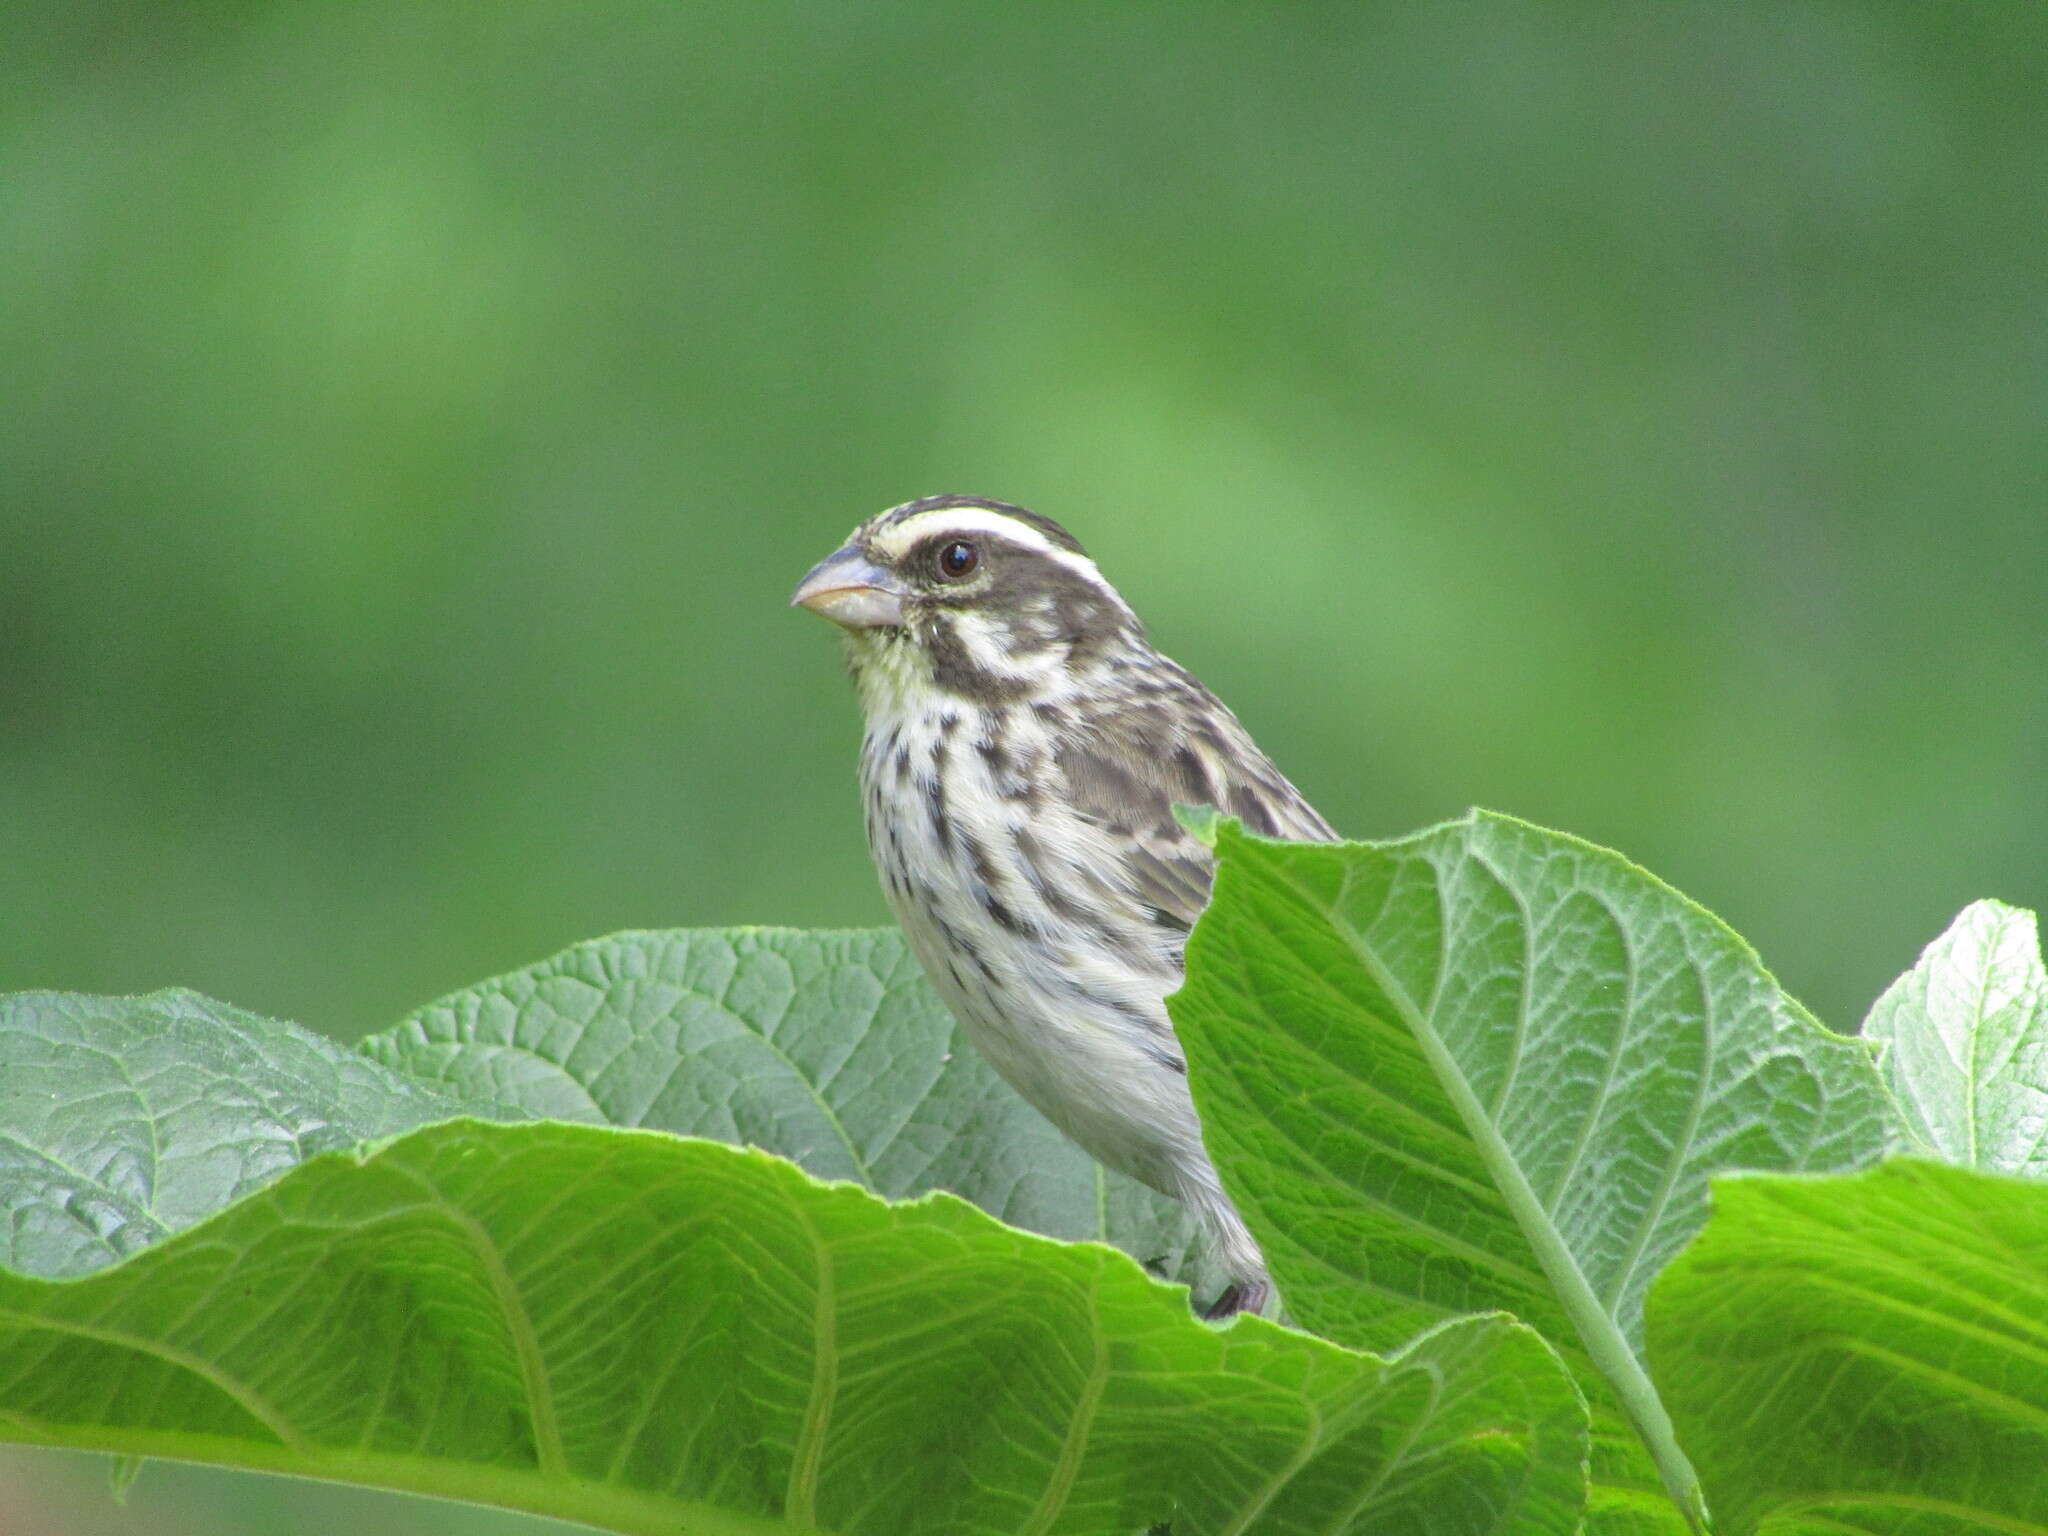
x=125 y=1119
x=827 y=1048
x=649 y=1333
x=1864 y=1353
x=1493 y=1066
x=1966 y=1037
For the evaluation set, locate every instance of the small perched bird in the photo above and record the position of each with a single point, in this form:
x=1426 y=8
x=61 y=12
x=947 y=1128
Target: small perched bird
x=1024 y=749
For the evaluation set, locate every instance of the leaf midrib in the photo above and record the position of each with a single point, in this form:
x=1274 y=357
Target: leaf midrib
x=1598 y=1332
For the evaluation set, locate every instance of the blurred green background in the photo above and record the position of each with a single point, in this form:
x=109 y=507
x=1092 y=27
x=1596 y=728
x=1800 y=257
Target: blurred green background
x=416 y=416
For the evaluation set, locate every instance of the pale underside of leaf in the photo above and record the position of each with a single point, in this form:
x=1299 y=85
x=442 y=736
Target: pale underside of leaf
x=123 y=1120
x=828 y=1048
x=1966 y=1043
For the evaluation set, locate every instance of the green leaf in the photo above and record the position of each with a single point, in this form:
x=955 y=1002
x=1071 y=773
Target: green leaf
x=828 y=1048
x=1864 y=1353
x=125 y=1119
x=1199 y=821
x=121 y=1474
x=1492 y=1066
x=654 y=1334
x=1966 y=1037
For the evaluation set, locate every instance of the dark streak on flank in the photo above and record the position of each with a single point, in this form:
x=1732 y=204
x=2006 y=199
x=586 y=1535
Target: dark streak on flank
x=1252 y=809
x=987 y=877
x=1161 y=918
x=1193 y=776
x=1153 y=1023
x=1002 y=914
x=984 y=867
x=958 y=943
x=1037 y=869
x=1166 y=1059
x=935 y=796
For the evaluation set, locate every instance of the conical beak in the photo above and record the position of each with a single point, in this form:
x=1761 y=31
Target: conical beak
x=848 y=588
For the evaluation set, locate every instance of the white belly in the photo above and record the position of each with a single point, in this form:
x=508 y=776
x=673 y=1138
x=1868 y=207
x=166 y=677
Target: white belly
x=1067 y=1007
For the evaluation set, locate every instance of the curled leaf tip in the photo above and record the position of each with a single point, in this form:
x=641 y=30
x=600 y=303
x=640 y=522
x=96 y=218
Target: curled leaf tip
x=1202 y=822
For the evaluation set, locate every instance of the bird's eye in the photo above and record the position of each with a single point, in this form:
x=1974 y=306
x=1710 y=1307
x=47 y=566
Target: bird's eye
x=958 y=560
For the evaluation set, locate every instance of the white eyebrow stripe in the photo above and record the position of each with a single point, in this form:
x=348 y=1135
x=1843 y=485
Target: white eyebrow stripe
x=895 y=542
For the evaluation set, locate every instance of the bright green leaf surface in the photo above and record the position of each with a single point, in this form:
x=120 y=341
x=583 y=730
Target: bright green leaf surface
x=826 y=1048
x=1966 y=1037
x=125 y=1119
x=659 y=1335
x=1492 y=1066
x=1864 y=1353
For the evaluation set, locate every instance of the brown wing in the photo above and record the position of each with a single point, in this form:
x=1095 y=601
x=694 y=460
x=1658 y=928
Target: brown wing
x=1125 y=768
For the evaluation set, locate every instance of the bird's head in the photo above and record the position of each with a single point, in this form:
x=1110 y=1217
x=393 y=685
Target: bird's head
x=976 y=598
